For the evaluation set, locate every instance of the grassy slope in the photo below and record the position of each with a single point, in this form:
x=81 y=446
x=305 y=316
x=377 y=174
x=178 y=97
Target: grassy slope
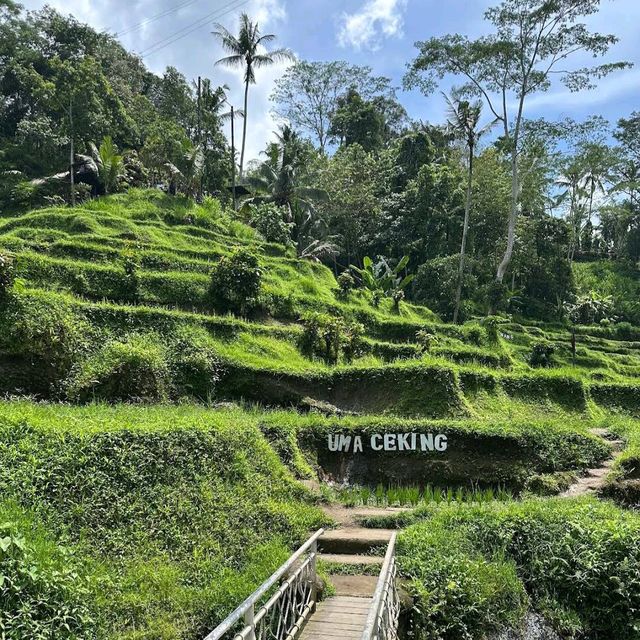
x=174 y=514
x=157 y=502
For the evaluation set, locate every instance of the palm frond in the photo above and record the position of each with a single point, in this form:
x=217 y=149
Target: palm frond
x=232 y=61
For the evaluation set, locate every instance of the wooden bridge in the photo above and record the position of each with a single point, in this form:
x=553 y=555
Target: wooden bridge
x=285 y=606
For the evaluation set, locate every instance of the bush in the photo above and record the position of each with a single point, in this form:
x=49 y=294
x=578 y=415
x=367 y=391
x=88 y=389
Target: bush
x=474 y=334
x=436 y=282
x=131 y=279
x=42 y=596
x=6 y=274
x=491 y=326
x=269 y=221
x=578 y=560
x=346 y=284
x=541 y=354
x=426 y=340
x=235 y=282
x=458 y=594
x=135 y=368
x=330 y=337
x=45 y=332
x=194 y=363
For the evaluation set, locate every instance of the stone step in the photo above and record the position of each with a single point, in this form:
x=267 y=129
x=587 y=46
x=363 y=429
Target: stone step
x=353 y=540
x=350 y=558
x=355 y=586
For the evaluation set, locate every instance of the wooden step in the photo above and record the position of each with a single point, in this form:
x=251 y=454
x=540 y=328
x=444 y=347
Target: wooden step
x=338 y=618
x=353 y=540
x=350 y=558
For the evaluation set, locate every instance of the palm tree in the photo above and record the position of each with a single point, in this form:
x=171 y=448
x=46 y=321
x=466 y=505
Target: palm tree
x=109 y=164
x=573 y=184
x=462 y=122
x=247 y=51
x=278 y=180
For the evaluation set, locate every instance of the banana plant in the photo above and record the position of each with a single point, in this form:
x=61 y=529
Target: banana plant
x=380 y=276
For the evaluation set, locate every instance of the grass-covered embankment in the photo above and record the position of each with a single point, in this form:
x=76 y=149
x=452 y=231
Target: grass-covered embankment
x=173 y=515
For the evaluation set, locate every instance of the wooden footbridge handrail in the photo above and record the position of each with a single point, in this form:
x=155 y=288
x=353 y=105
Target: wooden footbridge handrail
x=294 y=600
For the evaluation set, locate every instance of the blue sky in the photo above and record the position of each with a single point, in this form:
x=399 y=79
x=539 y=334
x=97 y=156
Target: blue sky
x=379 y=33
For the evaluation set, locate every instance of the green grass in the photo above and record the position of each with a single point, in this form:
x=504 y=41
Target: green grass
x=174 y=514
x=152 y=521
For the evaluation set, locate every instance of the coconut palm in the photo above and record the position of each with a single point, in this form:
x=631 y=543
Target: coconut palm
x=572 y=184
x=278 y=180
x=247 y=50
x=462 y=122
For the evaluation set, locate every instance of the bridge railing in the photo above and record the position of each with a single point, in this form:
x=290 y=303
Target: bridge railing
x=382 y=621
x=285 y=611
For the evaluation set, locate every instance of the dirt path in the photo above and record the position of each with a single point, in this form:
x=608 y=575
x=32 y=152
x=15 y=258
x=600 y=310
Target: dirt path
x=594 y=479
x=350 y=517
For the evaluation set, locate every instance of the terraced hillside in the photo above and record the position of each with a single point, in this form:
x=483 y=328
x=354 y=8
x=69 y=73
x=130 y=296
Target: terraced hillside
x=155 y=433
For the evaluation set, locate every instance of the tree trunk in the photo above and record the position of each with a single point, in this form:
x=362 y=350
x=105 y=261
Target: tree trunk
x=513 y=216
x=71 y=157
x=244 y=126
x=465 y=229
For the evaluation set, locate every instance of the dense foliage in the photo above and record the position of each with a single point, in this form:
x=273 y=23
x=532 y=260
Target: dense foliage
x=579 y=562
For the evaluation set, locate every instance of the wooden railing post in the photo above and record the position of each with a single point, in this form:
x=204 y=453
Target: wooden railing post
x=250 y=622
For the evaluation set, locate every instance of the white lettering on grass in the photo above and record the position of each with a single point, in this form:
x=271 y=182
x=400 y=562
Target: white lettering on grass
x=389 y=442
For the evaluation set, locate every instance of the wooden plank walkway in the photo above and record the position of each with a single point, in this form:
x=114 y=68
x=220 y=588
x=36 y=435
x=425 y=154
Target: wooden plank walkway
x=341 y=617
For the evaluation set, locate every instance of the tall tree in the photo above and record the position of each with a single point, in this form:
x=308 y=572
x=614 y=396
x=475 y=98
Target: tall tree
x=248 y=51
x=531 y=44
x=463 y=118
x=307 y=96
x=358 y=121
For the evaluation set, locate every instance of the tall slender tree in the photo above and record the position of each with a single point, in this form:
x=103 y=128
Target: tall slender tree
x=462 y=121
x=248 y=50
x=530 y=46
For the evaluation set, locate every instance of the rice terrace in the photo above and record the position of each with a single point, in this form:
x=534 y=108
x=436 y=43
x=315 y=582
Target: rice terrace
x=320 y=320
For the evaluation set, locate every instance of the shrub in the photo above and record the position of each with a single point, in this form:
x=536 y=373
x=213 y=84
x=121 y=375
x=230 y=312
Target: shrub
x=491 y=326
x=135 y=368
x=131 y=279
x=6 y=274
x=541 y=354
x=46 y=332
x=436 y=283
x=194 y=363
x=236 y=281
x=329 y=337
x=474 y=334
x=269 y=221
x=426 y=339
x=42 y=596
x=458 y=594
x=578 y=560
x=397 y=296
x=346 y=284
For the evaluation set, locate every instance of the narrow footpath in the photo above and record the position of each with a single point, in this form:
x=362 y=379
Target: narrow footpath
x=594 y=479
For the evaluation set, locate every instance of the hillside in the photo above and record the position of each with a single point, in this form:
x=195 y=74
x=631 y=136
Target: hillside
x=155 y=434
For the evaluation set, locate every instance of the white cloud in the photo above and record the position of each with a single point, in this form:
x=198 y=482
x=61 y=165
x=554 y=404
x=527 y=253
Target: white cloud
x=267 y=11
x=612 y=88
x=374 y=19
